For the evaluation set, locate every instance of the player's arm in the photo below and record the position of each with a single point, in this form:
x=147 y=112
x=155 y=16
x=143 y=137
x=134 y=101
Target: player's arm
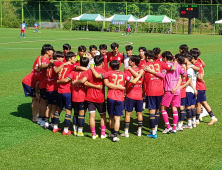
x=152 y=71
x=37 y=91
x=113 y=86
x=135 y=80
x=194 y=68
x=80 y=68
x=195 y=91
x=174 y=67
x=177 y=86
x=43 y=66
x=202 y=61
x=200 y=78
x=64 y=80
x=58 y=69
x=88 y=84
x=134 y=73
x=81 y=81
x=96 y=75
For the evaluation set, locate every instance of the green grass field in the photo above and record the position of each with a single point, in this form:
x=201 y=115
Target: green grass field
x=25 y=145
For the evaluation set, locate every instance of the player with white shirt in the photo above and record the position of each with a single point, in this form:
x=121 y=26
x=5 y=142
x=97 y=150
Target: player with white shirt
x=23 y=26
x=129 y=52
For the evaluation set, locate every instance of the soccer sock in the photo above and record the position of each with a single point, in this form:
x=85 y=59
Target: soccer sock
x=67 y=122
x=103 y=130
x=189 y=115
x=157 y=120
x=165 y=118
x=152 y=122
x=198 y=117
x=126 y=127
x=175 y=119
x=116 y=133
x=56 y=120
x=211 y=115
x=46 y=119
x=182 y=116
x=140 y=125
x=129 y=33
x=194 y=113
x=52 y=120
x=93 y=131
x=21 y=35
x=81 y=122
x=112 y=131
x=75 y=122
x=126 y=33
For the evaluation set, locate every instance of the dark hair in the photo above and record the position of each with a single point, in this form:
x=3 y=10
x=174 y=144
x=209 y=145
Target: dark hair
x=181 y=60
x=168 y=55
x=194 y=55
x=103 y=46
x=177 y=56
x=46 y=47
x=66 y=47
x=195 y=50
x=184 y=47
x=135 y=58
x=98 y=59
x=156 y=50
x=82 y=47
x=114 y=45
x=92 y=46
x=57 y=54
x=69 y=55
x=114 y=64
x=150 y=54
x=23 y=21
x=129 y=47
x=188 y=56
x=84 y=61
x=142 y=48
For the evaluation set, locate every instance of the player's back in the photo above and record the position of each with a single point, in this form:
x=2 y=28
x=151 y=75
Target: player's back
x=42 y=78
x=184 y=80
x=191 y=73
x=51 y=78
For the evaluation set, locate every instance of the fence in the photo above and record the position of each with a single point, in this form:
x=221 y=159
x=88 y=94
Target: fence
x=12 y=13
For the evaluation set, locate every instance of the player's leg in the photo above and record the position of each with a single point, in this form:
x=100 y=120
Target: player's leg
x=92 y=116
x=21 y=33
x=175 y=103
x=151 y=103
x=35 y=105
x=24 y=34
x=188 y=103
x=75 y=105
x=54 y=102
x=210 y=112
x=139 y=109
x=56 y=119
x=182 y=114
x=81 y=119
x=101 y=107
x=194 y=111
x=157 y=114
x=67 y=99
x=43 y=106
x=110 y=109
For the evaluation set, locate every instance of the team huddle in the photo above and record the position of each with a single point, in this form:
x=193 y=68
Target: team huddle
x=153 y=80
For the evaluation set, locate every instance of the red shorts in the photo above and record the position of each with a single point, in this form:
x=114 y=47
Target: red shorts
x=22 y=31
x=128 y=30
x=169 y=98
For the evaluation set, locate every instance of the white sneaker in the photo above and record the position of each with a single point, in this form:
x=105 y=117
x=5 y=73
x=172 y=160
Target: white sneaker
x=42 y=124
x=124 y=135
x=194 y=125
x=33 y=31
x=139 y=134
x=94 y=137
x=179 y=128
x=115 y=139
x=46 y=126
x=39 y=32
x=166 y=131
x=39 y=121
x=103 y=136
x=187 y=126
x=23 y=37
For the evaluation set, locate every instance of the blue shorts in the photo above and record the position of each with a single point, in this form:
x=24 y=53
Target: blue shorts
x=201 y=96
x=114 y=107
x=183 y=101
x=131 y=103
x=52 y=97
x=43 y=94
x=65 y=99
x=79 y=106
x=190 y=99
x=153 y=102
x=92 y=106
x=29 y=91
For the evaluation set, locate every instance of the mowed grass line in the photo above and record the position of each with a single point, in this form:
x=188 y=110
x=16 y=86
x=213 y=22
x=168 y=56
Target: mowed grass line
x=24 y=145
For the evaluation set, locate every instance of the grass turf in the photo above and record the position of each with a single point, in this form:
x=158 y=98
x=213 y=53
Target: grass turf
x=25 y=145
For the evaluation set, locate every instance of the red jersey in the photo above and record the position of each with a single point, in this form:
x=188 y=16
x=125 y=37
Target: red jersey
x=200 y=85
x=134 y=91
x=64 y=59
x=105 y=67
x=51 y=78
x=36 y=64
x=142 y=63
x=159 y=59
x=116 y=78
x=95 y=95
x=31 y=79
x=200 y=62
x=78 y=90
x=153 y=85
x=64 y=72
x=184 y=80
x=42 y=79
x=118 y=57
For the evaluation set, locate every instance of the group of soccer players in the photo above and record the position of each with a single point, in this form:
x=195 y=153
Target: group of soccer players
x=153 y=80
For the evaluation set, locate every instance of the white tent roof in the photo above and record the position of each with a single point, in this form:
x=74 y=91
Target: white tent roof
x=89 y=17
x=127 y=18
x=218 y=22
x=156 y=19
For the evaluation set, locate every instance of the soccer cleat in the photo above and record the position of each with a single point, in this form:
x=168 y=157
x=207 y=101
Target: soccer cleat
x=68 y=133
x=94 y=137
x=74 y=133
x=152 y=136
x=179 y=128
x=201 y=119
x=198 y=123
x=194 y=125
x=39 y=32
x=56 y=130
x=166 y=131
x=23 y=37
x=103 y=136
x=213 y=121
x=187 y=127
x=46 y=126
x=115 y=139
x=39 y=121
x=139 y=134
x=124 y=135
x=111 y=135
x=80 y=134
x=173 y=131
x=33 y=31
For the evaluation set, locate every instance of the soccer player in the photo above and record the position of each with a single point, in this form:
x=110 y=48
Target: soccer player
x=115 y=54
x=36 y=27
x=153 y=87
x=103 y=52
x=191 y=93
x=43 y=64
x=183 y=48
x=66 y=49
x=23 y=26
x=157 y=52
x=142 y=56
x=134 y=97
x=171 y=95
x=93 y=52
x=128 y=30
x=129 y=52
x=95 y=98
x=201 y=88
x=81 y=53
